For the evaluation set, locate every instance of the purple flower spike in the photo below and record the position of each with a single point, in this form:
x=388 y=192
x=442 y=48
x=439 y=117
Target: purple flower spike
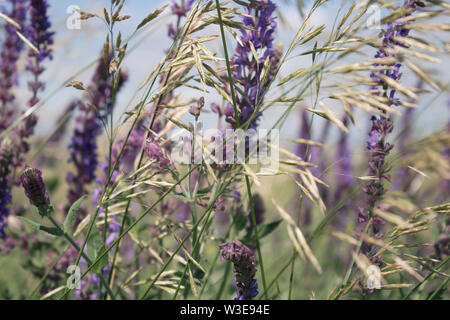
x=182 y=9
x=42 y=38
x=377 y=145
x=39 y=33
x=5 y=192
x=243 y=260
x=31 y=180
x=247 y=69
x=11 y=48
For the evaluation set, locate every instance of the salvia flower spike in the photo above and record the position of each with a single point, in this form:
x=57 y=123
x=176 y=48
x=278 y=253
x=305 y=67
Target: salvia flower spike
x=248 y=69
x=377 y=145
x=5 y=192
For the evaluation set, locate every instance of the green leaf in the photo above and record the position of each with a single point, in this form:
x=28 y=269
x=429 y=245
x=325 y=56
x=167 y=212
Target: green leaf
x=240 y=220
x=67 y=227
x=263 y=231
x=95 y=248
x=53 y=231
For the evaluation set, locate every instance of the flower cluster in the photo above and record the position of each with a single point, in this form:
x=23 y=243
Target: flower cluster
x=39 y=33
x=243 y=260
x=41 y=37
x=393 y=31
x=11 y=48
x=181 y=9
x=248 y=69
x=156 y=153
x=377 y=145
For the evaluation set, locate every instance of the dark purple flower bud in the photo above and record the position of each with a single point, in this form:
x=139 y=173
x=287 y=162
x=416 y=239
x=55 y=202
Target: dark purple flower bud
x=34 y=187
x=243 y=261
x=196 y=108
x=182 y=9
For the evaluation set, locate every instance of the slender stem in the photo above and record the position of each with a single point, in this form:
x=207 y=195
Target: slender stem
x=426 y=278
x=230 y=79
x=194 y=249
x=442 y=286
x=252 y=209
x=224 y=281
x=350 y=268
x=74 y=244
x=294 y=252
x=41 y=281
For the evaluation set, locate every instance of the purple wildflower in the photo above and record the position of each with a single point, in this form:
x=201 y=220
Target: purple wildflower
x=156 y=153
x=11 y=48
x=39 y=34
x=182 y=9
x=5 y=192
x=393 y=30
x=247 y=70
x=243 y=260
x=381 y=127
x=34 y=187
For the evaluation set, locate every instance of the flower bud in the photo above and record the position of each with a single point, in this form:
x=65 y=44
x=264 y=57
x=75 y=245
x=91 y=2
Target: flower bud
x=243 y=260
x=35 y=190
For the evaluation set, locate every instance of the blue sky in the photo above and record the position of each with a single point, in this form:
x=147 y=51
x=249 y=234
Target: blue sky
x=74 y=49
